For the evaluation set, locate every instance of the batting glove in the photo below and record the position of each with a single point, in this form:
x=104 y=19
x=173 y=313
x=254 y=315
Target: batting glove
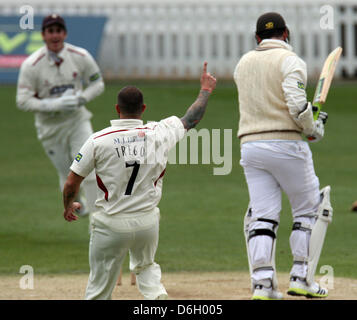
x=319 y=131
x=323 y=116
x=319 y=127
x=313 y=130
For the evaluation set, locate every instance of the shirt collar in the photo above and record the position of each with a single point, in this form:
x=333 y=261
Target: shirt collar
x=283 y=44
x=126 y=123
x=60 y=54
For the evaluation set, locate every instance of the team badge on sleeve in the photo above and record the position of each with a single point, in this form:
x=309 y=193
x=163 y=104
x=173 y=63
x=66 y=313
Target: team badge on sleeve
x=94 y=77
x=78 y=157
x=300 y=85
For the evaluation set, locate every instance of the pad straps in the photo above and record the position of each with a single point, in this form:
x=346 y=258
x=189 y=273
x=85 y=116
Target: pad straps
x=264 y=232
x=305 y=227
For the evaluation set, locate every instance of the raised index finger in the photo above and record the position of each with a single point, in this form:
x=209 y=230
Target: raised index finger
x=205 y=67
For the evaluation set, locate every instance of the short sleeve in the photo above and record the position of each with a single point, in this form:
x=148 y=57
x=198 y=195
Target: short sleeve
x=172 y=130
x=83 y=162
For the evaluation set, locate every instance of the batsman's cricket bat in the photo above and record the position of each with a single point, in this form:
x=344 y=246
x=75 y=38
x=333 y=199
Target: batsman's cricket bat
x=326 y=76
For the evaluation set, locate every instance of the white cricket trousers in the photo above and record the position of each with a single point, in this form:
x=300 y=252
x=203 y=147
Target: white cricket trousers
x=62 y=148
x=271 y=167
x=112 y=237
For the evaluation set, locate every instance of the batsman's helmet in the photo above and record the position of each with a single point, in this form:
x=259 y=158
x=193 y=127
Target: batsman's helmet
x=269 y=23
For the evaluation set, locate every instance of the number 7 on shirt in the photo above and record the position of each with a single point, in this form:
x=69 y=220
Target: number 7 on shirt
x=136 y=165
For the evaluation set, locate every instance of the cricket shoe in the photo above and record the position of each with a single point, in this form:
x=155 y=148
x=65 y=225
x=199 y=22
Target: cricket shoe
x=299 y=287
x=264 y=293
x=162 y=296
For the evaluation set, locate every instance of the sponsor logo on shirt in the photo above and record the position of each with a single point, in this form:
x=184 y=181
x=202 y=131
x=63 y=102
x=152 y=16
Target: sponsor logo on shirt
x=130 y=139
x=78 y=157
x=60 y=89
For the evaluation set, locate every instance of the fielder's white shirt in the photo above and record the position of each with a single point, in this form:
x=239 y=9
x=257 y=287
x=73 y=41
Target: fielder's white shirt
x=41 y=78
x=129 y=159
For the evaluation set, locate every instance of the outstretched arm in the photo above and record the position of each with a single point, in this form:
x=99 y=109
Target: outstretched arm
x=196 y=111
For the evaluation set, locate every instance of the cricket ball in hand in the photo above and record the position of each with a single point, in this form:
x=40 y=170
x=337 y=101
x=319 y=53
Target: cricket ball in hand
x=76 y=206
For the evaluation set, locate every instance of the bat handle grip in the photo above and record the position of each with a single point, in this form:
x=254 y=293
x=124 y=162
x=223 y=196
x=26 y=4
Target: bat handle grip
x=316 y=111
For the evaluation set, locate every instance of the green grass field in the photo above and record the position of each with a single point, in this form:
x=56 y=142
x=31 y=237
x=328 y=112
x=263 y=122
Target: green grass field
x=201 y=214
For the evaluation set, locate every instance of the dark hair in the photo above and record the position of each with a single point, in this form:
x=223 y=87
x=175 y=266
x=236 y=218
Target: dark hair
x=271 y=33
x=130 y=100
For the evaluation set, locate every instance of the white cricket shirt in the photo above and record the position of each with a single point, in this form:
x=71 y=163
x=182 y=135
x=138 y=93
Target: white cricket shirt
x=129 y=159
x=40 y=77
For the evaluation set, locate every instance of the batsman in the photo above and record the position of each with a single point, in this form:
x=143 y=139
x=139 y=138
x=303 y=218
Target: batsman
x=276 y=125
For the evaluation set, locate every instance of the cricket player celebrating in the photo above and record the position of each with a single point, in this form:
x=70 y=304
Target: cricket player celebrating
x=274 y=114
x=129 y=159
x=50 y=84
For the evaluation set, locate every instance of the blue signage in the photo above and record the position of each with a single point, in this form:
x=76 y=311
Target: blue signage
x=16 y=44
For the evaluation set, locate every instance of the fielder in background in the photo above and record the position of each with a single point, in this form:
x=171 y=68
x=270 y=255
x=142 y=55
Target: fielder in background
x=50 y=84
x=130 y=160
x=274 y=115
